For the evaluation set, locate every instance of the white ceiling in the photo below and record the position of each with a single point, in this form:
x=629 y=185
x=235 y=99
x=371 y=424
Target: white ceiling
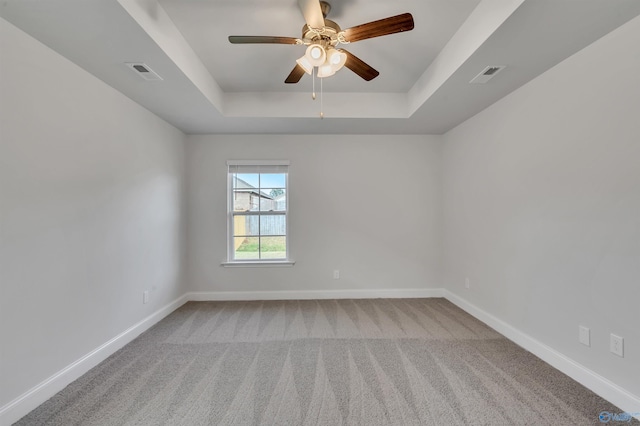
x=212 y=86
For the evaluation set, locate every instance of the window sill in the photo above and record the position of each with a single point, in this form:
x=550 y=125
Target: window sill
x=260 y=264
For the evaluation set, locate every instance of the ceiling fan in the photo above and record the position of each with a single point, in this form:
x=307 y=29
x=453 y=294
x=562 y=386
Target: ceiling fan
x=322 y=36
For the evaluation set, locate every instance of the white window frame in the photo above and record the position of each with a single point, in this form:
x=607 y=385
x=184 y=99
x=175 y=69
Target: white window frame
x=257 y=164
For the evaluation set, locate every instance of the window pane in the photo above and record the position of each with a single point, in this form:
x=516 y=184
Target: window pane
x=246 y=226
x=246 y=248
x=242 y=200
x=245 y=180
x=254 y=201
x=273 y=180
x=278 y=199
x=273 y=247
x=273 y=225
x=267 y=204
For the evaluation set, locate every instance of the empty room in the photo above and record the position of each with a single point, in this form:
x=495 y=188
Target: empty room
x=304 y=212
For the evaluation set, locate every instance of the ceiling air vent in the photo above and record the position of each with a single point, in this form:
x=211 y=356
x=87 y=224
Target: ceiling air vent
x=487 y=74
x=143 y=71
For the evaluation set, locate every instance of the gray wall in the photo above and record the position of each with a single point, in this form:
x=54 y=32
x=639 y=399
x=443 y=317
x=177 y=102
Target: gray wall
x=91 y=213
x=368 y=206
x=542 y=206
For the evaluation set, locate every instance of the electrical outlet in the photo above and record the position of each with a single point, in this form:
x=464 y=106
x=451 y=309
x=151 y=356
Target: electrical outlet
x=467 y=283
x=336 y=274
x=584 y=335
x=145 y=296
x=617 y=345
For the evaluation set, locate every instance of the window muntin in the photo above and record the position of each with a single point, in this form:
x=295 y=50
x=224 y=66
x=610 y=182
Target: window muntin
x=258 y=211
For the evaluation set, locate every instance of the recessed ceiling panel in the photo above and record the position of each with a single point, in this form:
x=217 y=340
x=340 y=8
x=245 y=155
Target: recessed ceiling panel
x=400 y=58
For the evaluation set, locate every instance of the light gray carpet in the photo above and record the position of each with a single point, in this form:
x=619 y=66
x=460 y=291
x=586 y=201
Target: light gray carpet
x=328 y=362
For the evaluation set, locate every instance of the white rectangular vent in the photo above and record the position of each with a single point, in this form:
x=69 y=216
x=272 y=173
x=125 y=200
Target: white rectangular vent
x=487 y=74
x=143 y=71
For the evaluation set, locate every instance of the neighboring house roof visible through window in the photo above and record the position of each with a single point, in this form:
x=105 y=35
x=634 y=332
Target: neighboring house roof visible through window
x=242 y=186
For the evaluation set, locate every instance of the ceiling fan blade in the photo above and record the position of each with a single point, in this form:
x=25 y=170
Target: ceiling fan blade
x=296 y=74
x=263 y=39
x=386 y=26
x=360 y=67
x=312 y=13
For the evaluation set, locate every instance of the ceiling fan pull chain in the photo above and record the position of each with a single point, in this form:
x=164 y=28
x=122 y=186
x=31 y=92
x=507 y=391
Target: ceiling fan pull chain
x=313 y=78
x=321 y=108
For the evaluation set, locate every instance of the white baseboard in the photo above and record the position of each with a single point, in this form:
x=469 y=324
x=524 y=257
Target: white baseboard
x=22 y=405
x=408 y=293
x=608 y=390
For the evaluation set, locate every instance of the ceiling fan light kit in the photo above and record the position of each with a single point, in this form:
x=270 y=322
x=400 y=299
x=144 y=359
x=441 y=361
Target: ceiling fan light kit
x=325 y=70
x=337 y=57
x=328 y=60
x=316 y=55
x=304 y=63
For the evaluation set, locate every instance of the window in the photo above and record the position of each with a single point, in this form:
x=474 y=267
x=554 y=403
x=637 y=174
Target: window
x=257 y=210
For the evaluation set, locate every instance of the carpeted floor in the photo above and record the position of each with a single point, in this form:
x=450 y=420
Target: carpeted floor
x=326 y=362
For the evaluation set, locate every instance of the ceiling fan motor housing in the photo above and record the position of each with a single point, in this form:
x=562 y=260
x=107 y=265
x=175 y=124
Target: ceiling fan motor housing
x=327 y=35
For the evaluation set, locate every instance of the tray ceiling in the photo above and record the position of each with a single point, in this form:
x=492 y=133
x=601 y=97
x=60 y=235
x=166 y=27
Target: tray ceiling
x=211 y=86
